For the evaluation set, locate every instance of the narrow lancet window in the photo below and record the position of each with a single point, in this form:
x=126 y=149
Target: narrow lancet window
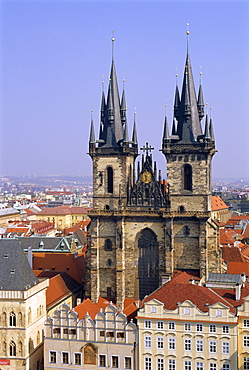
x=109 y=180
x=187 y=177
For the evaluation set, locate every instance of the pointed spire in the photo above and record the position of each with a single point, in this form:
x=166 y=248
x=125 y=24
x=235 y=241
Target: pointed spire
x=211 y=130
x=126 y=136
x=123 y=108
x=174 y=130
x=207 y=132
x=155 y=170
x=200 y=101
x=166 y=130
x=92 y=133
x=177 y=100
x=134 y=134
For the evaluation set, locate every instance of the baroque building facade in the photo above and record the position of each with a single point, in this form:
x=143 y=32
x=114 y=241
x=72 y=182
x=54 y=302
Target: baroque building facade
x=142 y=227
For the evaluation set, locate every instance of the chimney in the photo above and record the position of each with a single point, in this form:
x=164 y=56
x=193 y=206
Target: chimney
x=243 y=279
x=192 y=280
x=237 y=292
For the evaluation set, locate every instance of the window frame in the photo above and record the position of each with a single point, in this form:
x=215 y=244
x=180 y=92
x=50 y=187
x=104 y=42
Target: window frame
x=51 y=353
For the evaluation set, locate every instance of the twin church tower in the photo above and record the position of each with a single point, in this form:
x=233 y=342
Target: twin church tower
x=142 y=227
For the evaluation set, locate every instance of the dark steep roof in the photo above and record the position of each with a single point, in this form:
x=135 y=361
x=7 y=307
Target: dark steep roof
x=15 y=271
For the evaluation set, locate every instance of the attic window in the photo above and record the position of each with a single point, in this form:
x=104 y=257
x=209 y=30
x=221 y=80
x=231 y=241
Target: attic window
x=12 y=271
x=6 y=256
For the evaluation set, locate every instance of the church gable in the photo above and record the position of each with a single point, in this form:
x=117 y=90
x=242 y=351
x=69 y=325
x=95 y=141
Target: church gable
x=147 y=191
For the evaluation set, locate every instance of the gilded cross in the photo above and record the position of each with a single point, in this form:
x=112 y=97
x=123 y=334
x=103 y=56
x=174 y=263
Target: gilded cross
x=146 y=148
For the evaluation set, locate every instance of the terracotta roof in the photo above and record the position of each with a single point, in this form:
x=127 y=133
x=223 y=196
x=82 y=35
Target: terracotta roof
x=238 y=268
x=218 y=204
x=232 y=254
x=172 y=293
x=227 y=236
x=230 y=297
x=61 y=286
x=245 y=234
x=87 y=306
x=64 y=210
x=236 y=219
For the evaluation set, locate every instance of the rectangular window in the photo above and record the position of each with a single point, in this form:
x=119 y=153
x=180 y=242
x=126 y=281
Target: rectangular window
x=186 y=311
x=160 y=364
x=159 y=324
x=199 y=345
x=172 y=364
x=218 y=313
x=212 y=328
x=187 y=365
x=52 y=355
x=147 y=362
x=187 y=344
x=102 y=361
x=246 y=323
x=147 y=324
x=212 y=366
x=147 y=341
x=199 y=365
x=153 y=309
x=225 y=367
x=246 y=363
x=115 y=361
x=110 y=334
x=159 y=342
x=212 y=346
x=199 y=327
x=127 y=362
x=120 y=335
x=187 y=326
x=102 y=333
x=225 y=348
x=172 y=343
x=171 y=325
x=65 y=357
x=246 y=340
x=225 y=329
x=77 y=359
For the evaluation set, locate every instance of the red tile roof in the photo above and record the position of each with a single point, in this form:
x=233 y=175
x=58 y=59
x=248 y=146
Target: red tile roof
x=173 y=293
x=218 y=204
x=227 y=236
x=64 y=210
x=232 y=254
x=238 y=268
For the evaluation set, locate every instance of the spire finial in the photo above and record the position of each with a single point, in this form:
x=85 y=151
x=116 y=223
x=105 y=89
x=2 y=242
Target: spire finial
x=176 y=76
x=187 y=33
x=210 y=112
x=200 y=74
x=124 y=81
x=206 y=108
x=103 y=83
x=113 y=45
x=165 y=108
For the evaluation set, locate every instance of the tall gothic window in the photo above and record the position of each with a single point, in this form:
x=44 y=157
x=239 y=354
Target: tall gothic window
x=12 y=348
x=109 y=180
x=187 y=177
x=12 y=319
x=108 y=245
x=148 y=265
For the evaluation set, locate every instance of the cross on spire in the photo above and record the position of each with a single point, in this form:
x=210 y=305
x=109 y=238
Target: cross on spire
x=146 y=148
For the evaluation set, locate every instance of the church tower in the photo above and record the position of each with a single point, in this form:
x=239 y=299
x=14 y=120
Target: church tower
x=143 y=227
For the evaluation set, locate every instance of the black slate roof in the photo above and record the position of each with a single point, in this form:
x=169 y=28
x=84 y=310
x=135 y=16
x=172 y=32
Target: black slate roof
x=15 y=271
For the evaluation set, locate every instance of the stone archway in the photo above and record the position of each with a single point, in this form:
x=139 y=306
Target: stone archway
x=148 y=262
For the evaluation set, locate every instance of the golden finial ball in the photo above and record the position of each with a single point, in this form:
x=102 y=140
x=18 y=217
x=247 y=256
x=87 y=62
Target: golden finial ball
x=113 y=39
x=187 y=32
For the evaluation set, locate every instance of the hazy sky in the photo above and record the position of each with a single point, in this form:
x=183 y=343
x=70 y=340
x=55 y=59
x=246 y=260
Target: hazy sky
x=53 y=56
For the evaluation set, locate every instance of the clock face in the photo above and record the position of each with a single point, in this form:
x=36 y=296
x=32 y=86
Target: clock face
x=146 y=177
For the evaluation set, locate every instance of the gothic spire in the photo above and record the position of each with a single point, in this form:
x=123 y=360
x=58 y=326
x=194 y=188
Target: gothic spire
x=134 y=135
x=174 y=130
x=211 y=130
x=123 y=108
x=200 y=103
x=92 y=133
x=166 y=130
x=189 y=127
x=207 y=131
x=176 y=102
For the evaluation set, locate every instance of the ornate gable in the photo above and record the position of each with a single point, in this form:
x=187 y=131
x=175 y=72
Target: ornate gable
x=147 y=191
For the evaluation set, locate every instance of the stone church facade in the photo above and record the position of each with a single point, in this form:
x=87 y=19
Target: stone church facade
x=142 y=227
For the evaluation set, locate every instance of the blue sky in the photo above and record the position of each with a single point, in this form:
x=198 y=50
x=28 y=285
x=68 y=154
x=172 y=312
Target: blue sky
x=54 y=54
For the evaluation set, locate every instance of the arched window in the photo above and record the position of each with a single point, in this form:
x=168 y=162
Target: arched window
x=29 y=316
x=12 y=319
x=12 y=348
x=19 y=319
x=109 y=262
x=108 y=245
x=4 y=348
x=109 y=180
x=181 y=209
x=38 y=338
x=4 y=319
x=20 y=349
x=187 y=177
